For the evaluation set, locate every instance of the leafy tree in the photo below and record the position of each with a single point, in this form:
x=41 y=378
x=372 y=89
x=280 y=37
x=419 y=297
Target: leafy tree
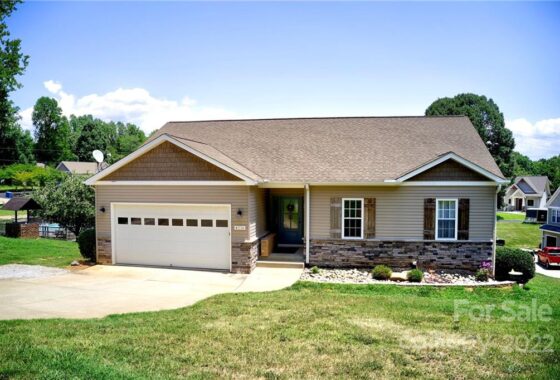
x=29 y=175
x=93 y=134
x=70 y=203
x=129 y=138
x=52 y=132
x=488 y=121
x=15 y=144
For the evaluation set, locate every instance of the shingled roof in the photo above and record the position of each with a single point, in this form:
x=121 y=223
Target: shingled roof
x=344 y=149
x=532 y=184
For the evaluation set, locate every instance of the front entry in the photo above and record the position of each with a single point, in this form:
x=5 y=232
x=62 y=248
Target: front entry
x=289 y=219
x=518 y=204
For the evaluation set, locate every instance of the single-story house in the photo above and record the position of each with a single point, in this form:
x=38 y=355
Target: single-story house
x=528 y=193
x=350 y=191
x=78 y=167
x=551 y=230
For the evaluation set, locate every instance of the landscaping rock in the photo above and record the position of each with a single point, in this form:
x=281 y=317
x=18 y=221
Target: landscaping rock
x=74 y=263
x=362 y=276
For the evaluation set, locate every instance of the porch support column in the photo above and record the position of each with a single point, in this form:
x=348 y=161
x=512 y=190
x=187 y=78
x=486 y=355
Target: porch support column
x=307 y=219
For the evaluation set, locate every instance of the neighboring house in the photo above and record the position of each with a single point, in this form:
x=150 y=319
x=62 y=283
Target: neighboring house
x=78 y=167
x=528 y=193
x=354 y=192
x=551 y=230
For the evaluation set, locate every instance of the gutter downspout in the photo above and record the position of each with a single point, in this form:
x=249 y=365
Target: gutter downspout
x=495 y=230
x=307 y=219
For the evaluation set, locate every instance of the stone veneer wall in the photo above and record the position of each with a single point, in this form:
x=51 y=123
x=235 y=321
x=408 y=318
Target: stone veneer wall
x=104 y=251
x=244 y=256
x=22 y=230
x=399 y=254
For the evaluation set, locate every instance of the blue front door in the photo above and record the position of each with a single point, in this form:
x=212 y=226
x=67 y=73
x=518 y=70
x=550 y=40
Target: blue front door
x=289 y=220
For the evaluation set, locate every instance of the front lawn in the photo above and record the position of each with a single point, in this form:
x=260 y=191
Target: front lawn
x=52 y=253
x=519 y=235
x=307 y=331
x=510 y=216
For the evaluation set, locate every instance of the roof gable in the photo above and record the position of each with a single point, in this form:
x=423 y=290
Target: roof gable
x=208 y=154
x=449 y=170
x=168 y=162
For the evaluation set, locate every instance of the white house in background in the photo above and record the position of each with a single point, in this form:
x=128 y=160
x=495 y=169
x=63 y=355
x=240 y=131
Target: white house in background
x=77 y=167
x=551 y=230
x=527 y=193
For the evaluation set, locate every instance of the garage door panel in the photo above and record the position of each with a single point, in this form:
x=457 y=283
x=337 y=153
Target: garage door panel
x=173 y=245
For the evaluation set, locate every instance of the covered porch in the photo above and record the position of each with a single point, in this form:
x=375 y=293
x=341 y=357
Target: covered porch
x=287 y=226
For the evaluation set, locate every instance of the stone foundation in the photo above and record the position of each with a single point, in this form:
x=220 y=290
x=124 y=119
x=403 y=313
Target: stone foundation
x=104 y=251
x=400 y=255
x=244 y=256
x=22 y=230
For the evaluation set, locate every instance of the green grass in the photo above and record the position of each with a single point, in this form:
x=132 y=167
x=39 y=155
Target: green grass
x=510 y=216
x=53 y=253
x=21 y=214
x=519 y=235
x=307 y=331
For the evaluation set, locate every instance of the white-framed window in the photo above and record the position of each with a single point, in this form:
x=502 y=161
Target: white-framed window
x=554 y=215
x=352 y=218
x=447 y=215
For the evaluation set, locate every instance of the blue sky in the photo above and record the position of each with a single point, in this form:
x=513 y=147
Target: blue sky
x=150 y=62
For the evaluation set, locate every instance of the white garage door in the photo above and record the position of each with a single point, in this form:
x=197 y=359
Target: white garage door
x=190 y=236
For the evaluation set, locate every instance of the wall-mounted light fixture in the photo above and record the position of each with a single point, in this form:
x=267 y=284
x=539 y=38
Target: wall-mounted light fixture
x=239 y=212
x=102 y=209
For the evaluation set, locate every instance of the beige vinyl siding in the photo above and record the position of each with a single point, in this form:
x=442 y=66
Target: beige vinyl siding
x=236 y=196
x=400 y=210
x=257 y=212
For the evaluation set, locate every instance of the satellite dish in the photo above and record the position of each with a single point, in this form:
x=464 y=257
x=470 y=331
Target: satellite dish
x=98 y=155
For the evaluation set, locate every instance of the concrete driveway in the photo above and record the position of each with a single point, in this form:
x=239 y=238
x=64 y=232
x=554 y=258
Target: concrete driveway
x=102 y=290
x=553 y=272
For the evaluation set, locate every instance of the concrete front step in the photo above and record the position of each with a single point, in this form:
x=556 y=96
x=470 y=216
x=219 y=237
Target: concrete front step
x=280 y=264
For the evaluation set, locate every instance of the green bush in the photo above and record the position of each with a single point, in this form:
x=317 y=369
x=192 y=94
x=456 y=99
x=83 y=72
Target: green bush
x=315 y=270
x=86 y=243
x=381 y=272
x=516 y=259
x=415 y=275
x=482 y=275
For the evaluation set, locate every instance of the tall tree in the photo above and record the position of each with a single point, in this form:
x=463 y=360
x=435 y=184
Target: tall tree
x=488 y=121
x=15 y=144
x=129 y=138
x=52 y=132
x=93 y=134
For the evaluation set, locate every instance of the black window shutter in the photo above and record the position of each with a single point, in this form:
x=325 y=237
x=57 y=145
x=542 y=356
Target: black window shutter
x=463 y=224
x=429 y=218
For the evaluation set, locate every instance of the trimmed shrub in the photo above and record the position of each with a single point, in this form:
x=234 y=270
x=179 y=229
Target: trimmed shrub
x=381 y=272
x=86 y=243
x=516 y=259
x=415 y=275
x=315 y=270
x=482 y=275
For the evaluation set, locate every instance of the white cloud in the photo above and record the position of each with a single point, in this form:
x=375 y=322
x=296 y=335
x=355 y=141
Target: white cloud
x=536 y=140
x=134 y=105
x=52 y=86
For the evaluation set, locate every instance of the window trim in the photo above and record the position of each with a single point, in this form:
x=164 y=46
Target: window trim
x=361 y=237
x=554 y=210
x=456 y=200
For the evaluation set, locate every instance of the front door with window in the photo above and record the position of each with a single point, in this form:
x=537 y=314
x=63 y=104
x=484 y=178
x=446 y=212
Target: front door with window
x=289 y=220
x=518 y=204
